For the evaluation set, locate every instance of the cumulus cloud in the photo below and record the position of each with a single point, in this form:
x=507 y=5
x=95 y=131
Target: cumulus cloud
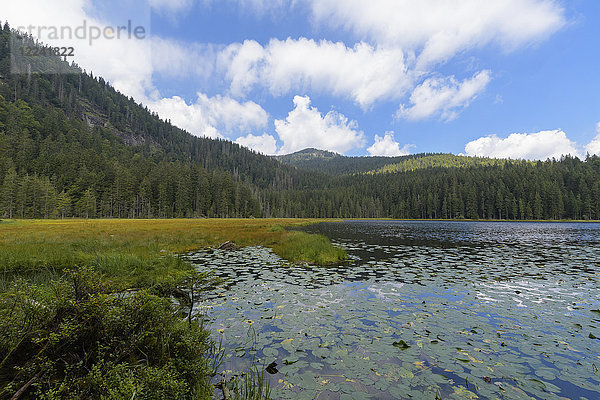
x=213 y=117
x=445 y=96
x=439 y=29
x=306 y=127
x=363 y=73
x=265 y=144
x=386 y=146
x=242 y=63
x=530 y=146
x=399 y=44
x=594 y=146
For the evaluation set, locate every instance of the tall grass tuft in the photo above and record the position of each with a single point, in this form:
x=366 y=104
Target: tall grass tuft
x=310 y=248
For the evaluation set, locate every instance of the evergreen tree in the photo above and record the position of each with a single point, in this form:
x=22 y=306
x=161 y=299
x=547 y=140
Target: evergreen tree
x=9 y=193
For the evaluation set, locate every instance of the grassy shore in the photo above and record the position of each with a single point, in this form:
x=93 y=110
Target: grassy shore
x=138 y=252
x=68 y=330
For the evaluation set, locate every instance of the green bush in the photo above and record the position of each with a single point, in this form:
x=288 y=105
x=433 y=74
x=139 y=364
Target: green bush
x=78 y=338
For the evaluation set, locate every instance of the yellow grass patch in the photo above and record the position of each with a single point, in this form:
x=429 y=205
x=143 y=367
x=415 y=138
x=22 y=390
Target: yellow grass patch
x=143 y=249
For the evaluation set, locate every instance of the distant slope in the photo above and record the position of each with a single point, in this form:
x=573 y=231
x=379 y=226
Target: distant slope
x=336 y=164
x=307 y=156
x=425 y=161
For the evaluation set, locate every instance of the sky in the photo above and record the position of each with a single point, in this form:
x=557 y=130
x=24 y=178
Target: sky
x=498 y=78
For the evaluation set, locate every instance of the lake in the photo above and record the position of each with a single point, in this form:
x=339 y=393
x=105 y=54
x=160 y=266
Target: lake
x=422 y=310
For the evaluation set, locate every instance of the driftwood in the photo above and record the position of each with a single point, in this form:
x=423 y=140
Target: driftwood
x=227 y=246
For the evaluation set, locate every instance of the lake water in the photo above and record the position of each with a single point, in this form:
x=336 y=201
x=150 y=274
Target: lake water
x=423 y=310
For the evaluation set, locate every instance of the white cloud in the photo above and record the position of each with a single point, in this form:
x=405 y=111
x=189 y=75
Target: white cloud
x=444 y=95
x=182 y=60
x=439 y=29
x=265 y=144
x=216 y=116
x=188 y=117
x=171 y=6
x=362 y=73
x=594 y=146
x=306 y=127
x=399 y=44
x=387 y=147
x=232 y=115
x=242 y=63
x=533 y=146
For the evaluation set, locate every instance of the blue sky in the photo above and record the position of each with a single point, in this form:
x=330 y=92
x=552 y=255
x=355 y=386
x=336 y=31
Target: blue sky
x=504 y=78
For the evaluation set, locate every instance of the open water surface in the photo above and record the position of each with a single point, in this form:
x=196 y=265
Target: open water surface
x=423 y=310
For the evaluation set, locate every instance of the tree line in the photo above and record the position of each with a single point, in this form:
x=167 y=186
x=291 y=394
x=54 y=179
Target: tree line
x=73 y=146
x=555 y=189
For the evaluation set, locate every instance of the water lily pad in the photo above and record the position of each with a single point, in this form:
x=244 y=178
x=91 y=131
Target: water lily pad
x=401 y=344
x=516 y=307
x=272 y=368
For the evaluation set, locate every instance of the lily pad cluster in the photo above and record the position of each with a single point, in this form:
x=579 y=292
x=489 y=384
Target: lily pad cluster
x=510 y=319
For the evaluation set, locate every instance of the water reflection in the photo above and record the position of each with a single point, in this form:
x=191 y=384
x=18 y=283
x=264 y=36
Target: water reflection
x=424 y=309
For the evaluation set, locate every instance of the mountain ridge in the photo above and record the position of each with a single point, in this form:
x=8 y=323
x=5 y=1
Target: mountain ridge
x=73 y=146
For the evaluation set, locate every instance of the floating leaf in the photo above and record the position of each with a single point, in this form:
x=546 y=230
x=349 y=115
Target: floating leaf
x=401 y=344
x=272 y=368
x=340 y=322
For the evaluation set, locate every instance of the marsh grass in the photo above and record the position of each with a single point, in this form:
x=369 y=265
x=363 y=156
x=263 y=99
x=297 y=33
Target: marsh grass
x=253 y=385
x=310 y=248
x=140 y=252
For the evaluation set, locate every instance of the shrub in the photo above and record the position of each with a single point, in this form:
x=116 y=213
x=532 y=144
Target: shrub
x=77 y=338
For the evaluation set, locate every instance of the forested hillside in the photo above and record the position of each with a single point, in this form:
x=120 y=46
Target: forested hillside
x=336 y=164
x=565 y=189
x=71 y=145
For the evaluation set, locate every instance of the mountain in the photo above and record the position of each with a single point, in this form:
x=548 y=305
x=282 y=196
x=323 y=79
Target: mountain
x=99 y=153
x=73 y=146
x=306 y=156
x=331 y=163
x=336 y=164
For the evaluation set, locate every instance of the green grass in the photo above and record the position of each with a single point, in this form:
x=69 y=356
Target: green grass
x=139 y=252
x=310 y=248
